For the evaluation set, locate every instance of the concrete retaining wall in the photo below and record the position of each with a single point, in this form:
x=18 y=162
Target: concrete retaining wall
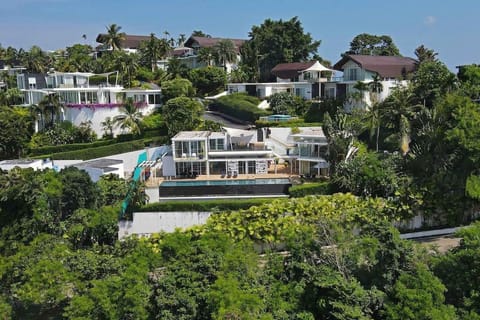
x=146 y=223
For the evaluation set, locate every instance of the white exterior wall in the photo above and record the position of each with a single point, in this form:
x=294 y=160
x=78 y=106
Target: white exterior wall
x=352 y=65
x=146 y=223
x=77 y=115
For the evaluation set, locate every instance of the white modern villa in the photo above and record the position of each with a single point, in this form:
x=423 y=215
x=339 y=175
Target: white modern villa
x=303 y=79
x=86 y=96
x=234 y=152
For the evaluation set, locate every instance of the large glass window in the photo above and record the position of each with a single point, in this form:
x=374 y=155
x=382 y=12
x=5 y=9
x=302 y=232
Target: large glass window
x=353 y=74
x=217 y=144
x=154 y=99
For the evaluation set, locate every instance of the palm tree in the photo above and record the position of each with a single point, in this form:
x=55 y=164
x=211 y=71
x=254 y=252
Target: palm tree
x=176 y=67
x=52 y=106
x=358 y=96
x=399 y=111
x=107 y=126
x=130 y=119
x=153 y=50
x=113 y=38
x=37 y=112
x=225 y=52
x=375 y=87
x=35 y=60
x=206 y=55
x=127 y=65
x=181 y=39
x=12 y=96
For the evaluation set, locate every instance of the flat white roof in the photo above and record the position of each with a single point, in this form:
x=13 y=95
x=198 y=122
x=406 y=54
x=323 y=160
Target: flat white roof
x=191 y=135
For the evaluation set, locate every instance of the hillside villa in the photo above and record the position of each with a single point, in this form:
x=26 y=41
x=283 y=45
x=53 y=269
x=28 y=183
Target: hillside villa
x=83 y=99
x=234 y=152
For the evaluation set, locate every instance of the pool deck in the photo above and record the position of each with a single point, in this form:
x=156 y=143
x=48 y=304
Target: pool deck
x=155 y=182
x=281 y=172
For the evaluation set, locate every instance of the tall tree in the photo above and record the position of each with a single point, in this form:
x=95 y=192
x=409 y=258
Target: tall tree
x=431 y=81
x=399 y=111
x=113 y=38
x=130 y=118
x=181 y=114
x=176 y=68
x=153 y=50
x=206 y=55
x=52 y=106
x=275 y=42
x=181 y=39
x=225 y=52
x=35 y=60
x=127 y=65
x=373 y=45
x=424 y=54
x=15 y=133
x=200 y=33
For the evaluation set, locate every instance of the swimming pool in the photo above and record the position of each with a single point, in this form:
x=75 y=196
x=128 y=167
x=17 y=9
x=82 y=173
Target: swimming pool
x=225 y=187
x=225 y=182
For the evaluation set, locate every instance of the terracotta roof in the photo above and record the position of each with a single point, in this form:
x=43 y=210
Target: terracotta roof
x=130 y=42
x=290 y=70
x=205 y=42
x=385 y=66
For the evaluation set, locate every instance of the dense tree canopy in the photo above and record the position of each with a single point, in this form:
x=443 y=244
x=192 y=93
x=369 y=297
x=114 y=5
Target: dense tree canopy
x=373 y=45
x=274 y=42
x=208 y=80
x=182 y=114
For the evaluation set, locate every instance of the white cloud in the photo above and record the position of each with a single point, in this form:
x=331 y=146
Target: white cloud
x=430 y=20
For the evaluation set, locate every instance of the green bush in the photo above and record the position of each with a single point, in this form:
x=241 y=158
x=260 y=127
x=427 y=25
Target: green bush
x=204 y=205
x=306 y=189
x=240 y=106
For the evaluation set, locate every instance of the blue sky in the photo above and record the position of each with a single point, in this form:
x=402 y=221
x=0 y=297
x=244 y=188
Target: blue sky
x=450 y=28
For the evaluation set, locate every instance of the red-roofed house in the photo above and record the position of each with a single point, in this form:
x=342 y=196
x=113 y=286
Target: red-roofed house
x=188 y=54
x=391 y=70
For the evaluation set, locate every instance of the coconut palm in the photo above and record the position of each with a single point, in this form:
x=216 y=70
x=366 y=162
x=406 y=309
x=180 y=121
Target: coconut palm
x=225 y=52
x=113 y=38
x=181 y=39
x=130 y=118
x=177 y=68
x=127 y=65
x=206 y=55
x=51 y=106
x=35 y=60
x=107 y=127
x=11 y=97
x=153 y=50
x=37 y=112
x=399 y=111
x=375 y=87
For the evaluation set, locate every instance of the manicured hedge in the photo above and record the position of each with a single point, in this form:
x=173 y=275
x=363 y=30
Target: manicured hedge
x=203 y=205
x=69 y=147
x=92 y=153
x=240 y=106
x=302 y=190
